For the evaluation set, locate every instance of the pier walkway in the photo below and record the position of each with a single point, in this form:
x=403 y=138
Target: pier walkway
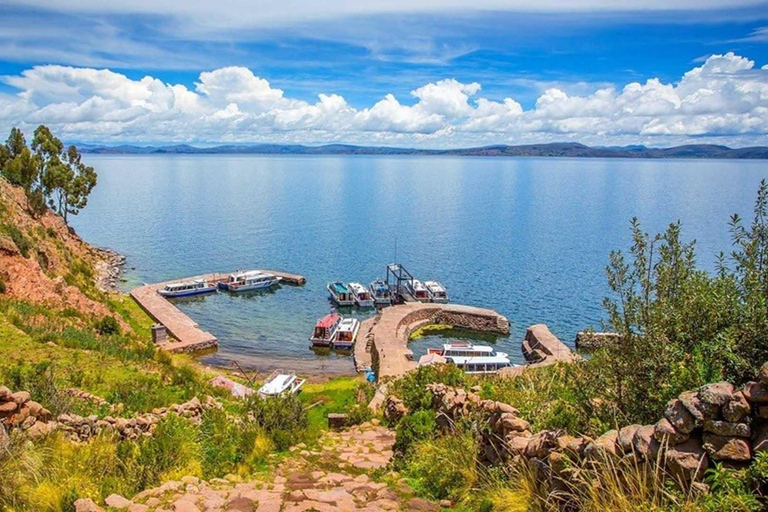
x=188 y=336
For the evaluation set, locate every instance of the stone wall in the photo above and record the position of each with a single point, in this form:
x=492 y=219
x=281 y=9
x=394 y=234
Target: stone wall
x=18 y=412
x=541 y=346
x=716 y=423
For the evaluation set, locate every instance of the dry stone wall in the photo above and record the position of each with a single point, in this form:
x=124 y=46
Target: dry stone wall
x=18 y=412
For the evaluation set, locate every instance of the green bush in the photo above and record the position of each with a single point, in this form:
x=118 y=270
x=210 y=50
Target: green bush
x=410 y=388
x=446 y=467
x=22 y=242
x=414 y=428
x=282 y=418
x=107 y=326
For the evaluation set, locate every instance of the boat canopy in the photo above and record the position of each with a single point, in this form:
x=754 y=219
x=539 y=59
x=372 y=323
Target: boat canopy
x=339 y=287
x=328 y=320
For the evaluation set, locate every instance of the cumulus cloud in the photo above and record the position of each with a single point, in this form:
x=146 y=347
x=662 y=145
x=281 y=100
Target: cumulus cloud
x=725 y=99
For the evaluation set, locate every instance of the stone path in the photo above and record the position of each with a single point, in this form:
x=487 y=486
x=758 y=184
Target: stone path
x=341 y=473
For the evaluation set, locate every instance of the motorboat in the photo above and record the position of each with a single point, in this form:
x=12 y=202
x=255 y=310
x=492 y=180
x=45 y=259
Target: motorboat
x=436 y=291
x=472 y=358
x=325 y=330
x=187 y=288
x=381 y=293
x=341 y=294
x=363 y=296
x=238 y=277
x=346 y=333
x=418 y=291
x=278 y=384
x=257 y=281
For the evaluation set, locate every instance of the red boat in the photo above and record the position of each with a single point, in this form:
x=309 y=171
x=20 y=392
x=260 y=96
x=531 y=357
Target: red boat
x=325 y=330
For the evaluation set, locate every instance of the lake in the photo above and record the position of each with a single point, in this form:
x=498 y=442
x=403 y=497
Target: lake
x=527 y=237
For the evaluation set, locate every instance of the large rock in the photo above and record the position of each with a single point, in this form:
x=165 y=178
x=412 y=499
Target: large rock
x=679 y=416
x=728 y=429
x=4 y=393
x=666 y=433
x=626 y=436
x=20 y=397
x=541 y=444
x=687 y=461
x=698 y=408
x=117 y=501
x=603 y=446
x=727 y=448
x=511 y=423
x=717 y=393
x=644 y=444
x=394 y=409
x=756 y=392
x=86 y=505
x=736 y=408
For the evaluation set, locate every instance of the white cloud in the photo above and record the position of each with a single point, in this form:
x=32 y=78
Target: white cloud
x=723 y=100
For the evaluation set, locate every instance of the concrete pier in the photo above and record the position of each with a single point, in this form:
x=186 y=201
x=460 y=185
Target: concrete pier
x=188 y=337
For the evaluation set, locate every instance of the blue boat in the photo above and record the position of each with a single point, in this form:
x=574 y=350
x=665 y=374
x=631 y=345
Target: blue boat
x=187 y=288
x=340 y=294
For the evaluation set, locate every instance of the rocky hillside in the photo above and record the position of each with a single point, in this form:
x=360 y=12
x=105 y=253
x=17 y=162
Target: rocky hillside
x=43 y=261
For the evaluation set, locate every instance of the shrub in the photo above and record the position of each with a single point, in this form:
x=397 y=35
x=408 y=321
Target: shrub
x=22 y=242
x=226 y=444
x=414 y=428
x=282 y=418
x=410 y=388
x=445 y=467
x=107 y=326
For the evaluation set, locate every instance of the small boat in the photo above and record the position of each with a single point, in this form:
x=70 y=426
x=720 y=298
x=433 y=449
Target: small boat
x=257 y=281
x=325 y=330
x=418 y=291
x=470 y=358
x=187 y=288
x=238 y=277
x=340 y=294
x=437 y=292
x=346 y=333
x=281 y=384
x=362 y=295
x=381 y=294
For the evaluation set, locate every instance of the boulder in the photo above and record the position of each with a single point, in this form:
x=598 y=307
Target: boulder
x=541 y=444
x=645 y=446
x=736 y=408
x=87 y=505
x=666 y=433
x=4 y=393
x=717 y=393
x=626 y=436
x=687 y=461
x=727 y=448
x=118 y=502
x=8 y=408
x=571 y=444
x=604 y=445
x=20 y=397
x=756 y=392
x=679 y=416
x=511 y=423
x=728 y=429
x=698 y=408
x=517 y=445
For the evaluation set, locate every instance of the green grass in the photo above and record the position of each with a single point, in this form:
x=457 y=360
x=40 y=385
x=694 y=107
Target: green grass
x=334 y=396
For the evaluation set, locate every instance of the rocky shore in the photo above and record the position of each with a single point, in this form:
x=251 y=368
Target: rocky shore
x=109 y=269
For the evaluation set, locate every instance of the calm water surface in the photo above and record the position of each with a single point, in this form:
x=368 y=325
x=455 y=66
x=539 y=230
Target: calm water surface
x=527 y=237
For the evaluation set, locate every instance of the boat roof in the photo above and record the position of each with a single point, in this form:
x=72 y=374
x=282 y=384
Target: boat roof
x=339 y=287
x=357 y=287
x=347 y=324
x=435 y=285
x=328 y=320
x=379 y=283
x=467 y=346
x=277 y=384
x=185 y=283
x=417 y=284
x=498 y=358
x=246 y=273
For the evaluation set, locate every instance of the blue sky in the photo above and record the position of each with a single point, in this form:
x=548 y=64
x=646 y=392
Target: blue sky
x=365 y=53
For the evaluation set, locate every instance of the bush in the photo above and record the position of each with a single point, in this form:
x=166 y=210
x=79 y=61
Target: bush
x=226 y=445
x=107 y=326
x=22 y=243
x=446 y=467
x=414 y=428
x=410 y=388
x=282 y=418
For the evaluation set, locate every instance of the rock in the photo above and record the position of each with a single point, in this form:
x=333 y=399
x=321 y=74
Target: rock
x=666 y=433
x=517 y=445
x=422 y=505
x=687 y=461
x=727 y=448
x=761 y=411
x=571 y=444
x=541 y=444
x=8 y=408
x=645 y=446
x=506 y=408
x=20 y=397
x=736 y=408
x=604 y=445
x=626 y=436
x=446 y=503
x=4 y=393
x=241 y=504
x=184 y=506
x=762 y=375
x=679 y=416
x=718 y=393
x=728 y=429
x=117 y=501
x=138 y=507
x=394 y=409
x=86 y=505
x=698 y=408
x=511 y=423
x=756 y=392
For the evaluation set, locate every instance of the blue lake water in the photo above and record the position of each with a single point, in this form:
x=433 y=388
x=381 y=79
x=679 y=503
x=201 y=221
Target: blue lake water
x=527 y=237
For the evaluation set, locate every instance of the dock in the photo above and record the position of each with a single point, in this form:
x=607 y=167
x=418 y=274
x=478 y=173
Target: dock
x=188 y=336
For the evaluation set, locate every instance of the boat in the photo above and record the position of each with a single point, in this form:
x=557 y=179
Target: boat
x=257 y=281
x=437 y=292
x=340 y=294
x=346 y=333
x=278 y=384
x=381 y=294
x=418 y=291
x=187 y=288
x=472 y=358
x=238 y=277
x=325 y=330
x=362 y=295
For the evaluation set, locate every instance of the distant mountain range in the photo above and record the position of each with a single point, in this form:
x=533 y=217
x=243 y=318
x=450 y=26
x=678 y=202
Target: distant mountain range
x=558 y=149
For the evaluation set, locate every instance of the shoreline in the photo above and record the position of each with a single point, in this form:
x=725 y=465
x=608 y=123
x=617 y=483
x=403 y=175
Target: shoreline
x=109 y=269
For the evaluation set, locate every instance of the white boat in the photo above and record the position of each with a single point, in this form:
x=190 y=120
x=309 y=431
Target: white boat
x=346 y=333
x=257 y=281
x=473 y=358
x=381 y=294
x=341 y=294
x=238 y=277
x=281 y=384
x=437 y=292
x=418 y=291
x=325 y=330
x=362 y=295
x=187 y=288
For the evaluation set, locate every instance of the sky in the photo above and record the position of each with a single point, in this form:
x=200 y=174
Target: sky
x=416 y=73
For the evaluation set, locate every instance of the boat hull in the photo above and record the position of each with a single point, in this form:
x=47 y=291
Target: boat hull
x=365 y=303
x=186 y=293
x=252 y=287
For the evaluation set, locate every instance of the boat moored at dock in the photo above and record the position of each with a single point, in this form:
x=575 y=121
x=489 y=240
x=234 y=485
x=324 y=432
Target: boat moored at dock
x=278 y=384
x=341 y=294
x=255 y=281
x=418 y=291
x=437 y=292
x=363 y=296
x=187 y=288
x=346 y=334
x=381 y=293
x=470 y=358
x=325 y=330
